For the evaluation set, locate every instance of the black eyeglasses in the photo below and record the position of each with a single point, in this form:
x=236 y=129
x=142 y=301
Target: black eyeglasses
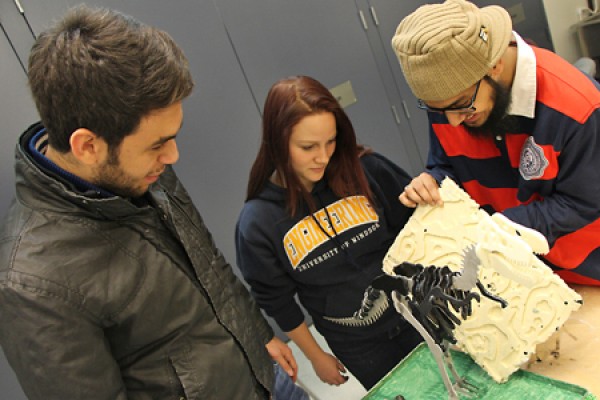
x=464 y=110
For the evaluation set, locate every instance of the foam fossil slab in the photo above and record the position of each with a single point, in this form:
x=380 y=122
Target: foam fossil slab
x=539 y=302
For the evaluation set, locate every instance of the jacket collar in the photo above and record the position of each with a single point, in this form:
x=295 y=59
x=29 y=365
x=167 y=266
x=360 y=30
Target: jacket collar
x=36 y=148
x=524 y=86
x=42 y=188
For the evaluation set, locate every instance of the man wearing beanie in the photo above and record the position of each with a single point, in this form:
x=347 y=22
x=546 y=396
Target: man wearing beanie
x=517 y=126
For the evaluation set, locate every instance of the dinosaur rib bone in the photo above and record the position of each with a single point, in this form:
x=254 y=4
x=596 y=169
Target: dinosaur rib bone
x=374 y=304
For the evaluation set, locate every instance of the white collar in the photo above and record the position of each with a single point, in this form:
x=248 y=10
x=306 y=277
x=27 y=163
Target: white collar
x=524 y=86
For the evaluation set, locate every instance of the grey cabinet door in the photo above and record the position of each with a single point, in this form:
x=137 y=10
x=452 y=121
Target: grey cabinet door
x=17 y=110
x=529 y=19
x=385 y=16
x=326 y=40
x=16 y=29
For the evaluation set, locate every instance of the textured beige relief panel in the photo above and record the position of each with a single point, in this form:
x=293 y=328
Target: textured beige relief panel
x=539 y=302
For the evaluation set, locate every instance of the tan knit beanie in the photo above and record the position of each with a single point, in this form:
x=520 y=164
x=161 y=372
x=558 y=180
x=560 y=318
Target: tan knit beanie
x=445 y=48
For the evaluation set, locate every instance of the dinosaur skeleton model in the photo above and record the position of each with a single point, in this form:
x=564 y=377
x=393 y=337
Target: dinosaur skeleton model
x=424 y=296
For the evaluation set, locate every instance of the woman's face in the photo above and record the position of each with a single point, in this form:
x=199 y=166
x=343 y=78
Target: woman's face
x=312 y=143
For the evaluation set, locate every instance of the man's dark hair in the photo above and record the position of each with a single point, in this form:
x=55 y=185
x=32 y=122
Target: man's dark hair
x=103 y=70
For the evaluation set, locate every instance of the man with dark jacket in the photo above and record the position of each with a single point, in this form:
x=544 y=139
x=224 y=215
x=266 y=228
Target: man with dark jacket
x=110 y=284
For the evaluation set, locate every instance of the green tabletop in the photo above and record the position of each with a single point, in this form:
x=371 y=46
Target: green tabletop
x=418 y=378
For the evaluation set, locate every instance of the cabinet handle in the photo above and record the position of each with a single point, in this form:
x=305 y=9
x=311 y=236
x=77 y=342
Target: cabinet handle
x=406 y=109
x=396 y=116
x=19 y=6
x=374 y=15
x=363 y=19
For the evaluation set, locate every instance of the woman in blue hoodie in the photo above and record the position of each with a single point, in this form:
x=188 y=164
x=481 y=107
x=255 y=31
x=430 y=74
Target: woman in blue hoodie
x=320 y=214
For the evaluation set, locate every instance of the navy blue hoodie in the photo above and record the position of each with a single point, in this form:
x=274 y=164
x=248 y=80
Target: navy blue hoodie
x=329 y=267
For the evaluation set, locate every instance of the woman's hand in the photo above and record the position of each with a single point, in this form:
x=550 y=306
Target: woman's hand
x=329 y=369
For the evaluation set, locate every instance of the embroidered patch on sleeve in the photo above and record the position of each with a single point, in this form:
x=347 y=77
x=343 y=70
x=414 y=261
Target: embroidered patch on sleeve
x=533 y=160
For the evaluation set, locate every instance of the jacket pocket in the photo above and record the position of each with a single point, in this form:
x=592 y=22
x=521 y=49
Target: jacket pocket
x=184 y=378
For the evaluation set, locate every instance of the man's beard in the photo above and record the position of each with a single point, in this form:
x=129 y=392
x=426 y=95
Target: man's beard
x=112 y=178
x=498 y=122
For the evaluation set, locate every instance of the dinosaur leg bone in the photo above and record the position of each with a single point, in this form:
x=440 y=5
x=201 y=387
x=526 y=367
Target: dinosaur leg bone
x=435 y=349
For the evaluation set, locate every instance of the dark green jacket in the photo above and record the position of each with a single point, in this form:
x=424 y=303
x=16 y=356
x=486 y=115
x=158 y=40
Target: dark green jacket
x=100 y=299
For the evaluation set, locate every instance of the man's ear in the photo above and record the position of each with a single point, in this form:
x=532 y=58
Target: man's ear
x=87 y=147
